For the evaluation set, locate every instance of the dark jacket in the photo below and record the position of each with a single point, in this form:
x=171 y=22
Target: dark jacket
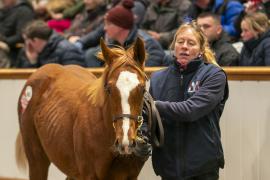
x=155 y=53
x=256 y=52
x=13 y=20
x=57 y=50
x=226 y=54
x=91 y=39
x=190 y=103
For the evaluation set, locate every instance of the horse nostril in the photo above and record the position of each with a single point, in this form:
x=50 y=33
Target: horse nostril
x=116 y=143
x=123 y=148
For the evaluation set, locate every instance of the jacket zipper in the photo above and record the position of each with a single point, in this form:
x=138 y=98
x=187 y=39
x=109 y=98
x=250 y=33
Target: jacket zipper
x=181 y=79
x=180 y=147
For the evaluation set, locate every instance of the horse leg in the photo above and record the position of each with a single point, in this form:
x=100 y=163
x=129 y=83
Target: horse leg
x=90 y=177
x=119 y=175
x=38 y=164
x=133 y=178
x=37 y=159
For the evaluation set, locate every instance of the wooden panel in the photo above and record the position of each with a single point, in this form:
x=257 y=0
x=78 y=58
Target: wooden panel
x=234 y=73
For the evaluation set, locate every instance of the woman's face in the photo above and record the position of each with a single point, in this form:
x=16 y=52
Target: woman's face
x=247 y=33
x=186 y=47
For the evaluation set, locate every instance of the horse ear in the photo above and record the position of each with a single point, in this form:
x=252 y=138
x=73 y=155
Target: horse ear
x=139 y=51
x=106 y=52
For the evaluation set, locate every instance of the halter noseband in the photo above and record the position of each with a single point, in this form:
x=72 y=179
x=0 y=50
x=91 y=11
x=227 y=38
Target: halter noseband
x=136 y=118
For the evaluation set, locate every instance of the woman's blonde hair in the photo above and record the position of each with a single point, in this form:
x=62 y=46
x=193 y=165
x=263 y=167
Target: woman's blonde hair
x=207 y=53
x=257 y=22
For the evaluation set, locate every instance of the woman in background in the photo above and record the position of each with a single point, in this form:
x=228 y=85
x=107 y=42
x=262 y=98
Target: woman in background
x=256 y=38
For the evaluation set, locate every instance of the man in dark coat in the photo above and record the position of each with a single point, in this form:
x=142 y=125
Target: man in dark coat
x=229 y=10
x=163 y=17
x=123 y=32
x=14 y=15
x=226 y=54
x=43 y=46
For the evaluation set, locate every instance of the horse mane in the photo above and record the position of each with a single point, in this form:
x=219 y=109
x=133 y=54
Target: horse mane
x=96 y=92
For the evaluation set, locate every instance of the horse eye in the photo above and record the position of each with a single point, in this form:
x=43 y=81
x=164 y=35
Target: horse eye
x=107 y=88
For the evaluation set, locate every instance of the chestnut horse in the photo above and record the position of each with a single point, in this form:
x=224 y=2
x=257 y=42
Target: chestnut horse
x=87 y=127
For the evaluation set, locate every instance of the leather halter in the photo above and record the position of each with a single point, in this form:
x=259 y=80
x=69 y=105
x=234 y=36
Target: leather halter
x=154 y=121
x=136 y=118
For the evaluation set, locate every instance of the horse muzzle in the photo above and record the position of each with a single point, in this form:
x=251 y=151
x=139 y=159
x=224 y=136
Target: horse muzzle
x=125 y=149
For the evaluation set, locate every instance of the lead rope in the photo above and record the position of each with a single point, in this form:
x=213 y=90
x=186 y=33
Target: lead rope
x=154 y=121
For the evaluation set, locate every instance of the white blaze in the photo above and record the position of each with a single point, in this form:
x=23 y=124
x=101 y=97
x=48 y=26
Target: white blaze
x=126 y=82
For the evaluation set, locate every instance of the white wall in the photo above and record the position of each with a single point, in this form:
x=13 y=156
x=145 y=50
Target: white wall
x=244 y=125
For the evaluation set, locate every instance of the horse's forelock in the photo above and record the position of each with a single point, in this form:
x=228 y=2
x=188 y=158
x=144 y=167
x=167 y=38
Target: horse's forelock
x=96 y=91
x=125 y=57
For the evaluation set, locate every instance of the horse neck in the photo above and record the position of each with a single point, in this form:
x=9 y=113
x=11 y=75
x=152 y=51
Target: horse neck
x=98 y=98
x=95 y=93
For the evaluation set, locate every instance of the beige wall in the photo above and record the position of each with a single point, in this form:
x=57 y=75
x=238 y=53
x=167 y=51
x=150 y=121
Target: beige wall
x=244 y=125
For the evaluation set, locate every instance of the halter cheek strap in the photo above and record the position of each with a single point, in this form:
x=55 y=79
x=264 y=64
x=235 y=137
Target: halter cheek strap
x=139 y=119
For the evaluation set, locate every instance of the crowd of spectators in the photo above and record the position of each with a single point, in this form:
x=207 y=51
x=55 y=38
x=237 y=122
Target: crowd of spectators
x=37 y=32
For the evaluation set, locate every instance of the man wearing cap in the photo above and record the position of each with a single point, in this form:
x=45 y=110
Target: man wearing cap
x=120 y=29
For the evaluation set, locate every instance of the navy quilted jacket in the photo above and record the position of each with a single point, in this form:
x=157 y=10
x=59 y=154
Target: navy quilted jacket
x=190 y=103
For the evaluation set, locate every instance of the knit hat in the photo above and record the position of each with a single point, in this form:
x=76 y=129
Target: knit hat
x=121 y=15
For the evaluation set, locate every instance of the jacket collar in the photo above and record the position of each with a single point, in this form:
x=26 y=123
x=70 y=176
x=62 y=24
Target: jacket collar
x=193 y=65
x=220 y=40
x=52 y=44
x=254 y=42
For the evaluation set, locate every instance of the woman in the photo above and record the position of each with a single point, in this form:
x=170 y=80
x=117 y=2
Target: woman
x=256 y=39
x=190 y=95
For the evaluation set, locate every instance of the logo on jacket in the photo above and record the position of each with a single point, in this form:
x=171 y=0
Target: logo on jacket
x=194 y=86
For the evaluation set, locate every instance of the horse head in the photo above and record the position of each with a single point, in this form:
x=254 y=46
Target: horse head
x=125 y=82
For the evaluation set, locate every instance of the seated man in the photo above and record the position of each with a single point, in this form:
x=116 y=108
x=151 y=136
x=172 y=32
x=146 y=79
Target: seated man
x=226 y=54
x=162 y=19
x=229 y=11
x=14 y=15
x=87 y=19
x=43 y=46
x=4 y=59
x=123 y=32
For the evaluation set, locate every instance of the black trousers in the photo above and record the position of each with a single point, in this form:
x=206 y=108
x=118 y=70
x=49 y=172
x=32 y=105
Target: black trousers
x=213 y=175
